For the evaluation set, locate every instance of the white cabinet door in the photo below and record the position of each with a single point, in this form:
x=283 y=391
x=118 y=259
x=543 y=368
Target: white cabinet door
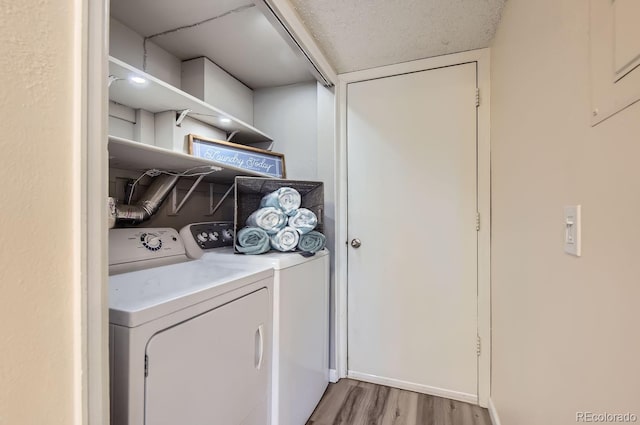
x=212 y=369
x=412 y=294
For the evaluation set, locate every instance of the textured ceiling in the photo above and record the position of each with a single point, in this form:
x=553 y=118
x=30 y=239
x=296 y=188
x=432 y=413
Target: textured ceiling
x=361 y=34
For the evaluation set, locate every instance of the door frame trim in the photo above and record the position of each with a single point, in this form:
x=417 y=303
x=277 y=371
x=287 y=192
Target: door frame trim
x=91 y=315
x=482 y=59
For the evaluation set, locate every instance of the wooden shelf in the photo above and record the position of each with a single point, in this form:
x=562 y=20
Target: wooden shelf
x=157 y=96
x=131 y=155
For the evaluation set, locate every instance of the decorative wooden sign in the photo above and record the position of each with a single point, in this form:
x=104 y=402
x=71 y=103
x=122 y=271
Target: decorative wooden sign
x=239 y=156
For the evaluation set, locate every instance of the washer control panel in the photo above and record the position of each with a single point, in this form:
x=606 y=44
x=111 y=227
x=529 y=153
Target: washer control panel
x=152 y=241
x=139 y=248
x=199 y=237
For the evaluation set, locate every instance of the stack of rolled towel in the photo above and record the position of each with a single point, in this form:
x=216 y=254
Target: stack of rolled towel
x=280 y=224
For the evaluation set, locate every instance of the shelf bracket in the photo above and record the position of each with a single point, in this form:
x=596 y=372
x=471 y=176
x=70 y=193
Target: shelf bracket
x=212 y=208
x=112 y=79
x=175 y=207
x=230 y=136
x=182 y=116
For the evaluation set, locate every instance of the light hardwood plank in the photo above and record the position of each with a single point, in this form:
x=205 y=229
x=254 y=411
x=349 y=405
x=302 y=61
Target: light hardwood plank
x=354 y=408
x=408 y=407
x=331 y=402
x=350 y=402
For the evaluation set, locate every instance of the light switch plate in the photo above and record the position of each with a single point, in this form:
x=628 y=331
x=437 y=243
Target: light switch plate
x=572 y=236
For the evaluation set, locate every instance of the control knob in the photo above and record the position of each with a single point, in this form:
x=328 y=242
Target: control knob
x=227 y=235
x=151 y=241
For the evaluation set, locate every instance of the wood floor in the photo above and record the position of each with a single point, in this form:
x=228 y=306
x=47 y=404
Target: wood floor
x=350 y=402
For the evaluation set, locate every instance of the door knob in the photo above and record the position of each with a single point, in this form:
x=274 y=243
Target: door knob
x=356 y=243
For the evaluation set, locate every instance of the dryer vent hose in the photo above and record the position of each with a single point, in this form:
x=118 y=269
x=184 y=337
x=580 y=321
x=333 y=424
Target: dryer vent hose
x=148 y=204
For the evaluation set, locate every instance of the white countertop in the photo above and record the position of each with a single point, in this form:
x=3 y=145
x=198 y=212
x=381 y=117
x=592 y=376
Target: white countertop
x=141 y=296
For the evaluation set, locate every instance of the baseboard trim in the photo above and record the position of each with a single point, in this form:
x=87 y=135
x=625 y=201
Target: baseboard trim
x=410 y=386
x=333 y=376
x=493 y=413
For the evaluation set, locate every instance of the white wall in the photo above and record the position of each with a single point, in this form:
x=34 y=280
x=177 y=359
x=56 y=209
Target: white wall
x=37 y=222
x=127 y=45
x=565 y=329
x=301 y=120
x=289 y=115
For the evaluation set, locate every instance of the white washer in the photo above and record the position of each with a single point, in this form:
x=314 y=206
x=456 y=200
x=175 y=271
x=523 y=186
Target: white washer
x=300 y=371
x=190 y=343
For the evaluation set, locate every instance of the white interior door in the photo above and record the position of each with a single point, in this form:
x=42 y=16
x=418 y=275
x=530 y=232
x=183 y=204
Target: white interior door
x=412 y=202
x=213 y=369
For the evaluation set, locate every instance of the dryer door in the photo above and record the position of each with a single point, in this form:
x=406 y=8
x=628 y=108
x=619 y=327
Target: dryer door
x=212 y=369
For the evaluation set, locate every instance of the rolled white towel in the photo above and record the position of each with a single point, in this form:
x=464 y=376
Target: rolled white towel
x=303 y=220
x=286 y=198
x=285 y=240
x=270 y=219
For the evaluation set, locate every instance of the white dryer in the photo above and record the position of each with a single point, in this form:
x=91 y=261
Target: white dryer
x=189 y=343
x=300 y=369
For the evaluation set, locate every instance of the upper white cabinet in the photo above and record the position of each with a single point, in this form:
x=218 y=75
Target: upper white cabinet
x=615 y=56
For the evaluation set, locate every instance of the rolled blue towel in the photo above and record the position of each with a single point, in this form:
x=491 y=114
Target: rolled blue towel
x=285 y=240
x=312 y=242
x=269 y=219
x=253 y=240
x=286 y=198
x=303 y=220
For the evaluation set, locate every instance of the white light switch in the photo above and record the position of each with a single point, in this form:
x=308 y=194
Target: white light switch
x=572 y=230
